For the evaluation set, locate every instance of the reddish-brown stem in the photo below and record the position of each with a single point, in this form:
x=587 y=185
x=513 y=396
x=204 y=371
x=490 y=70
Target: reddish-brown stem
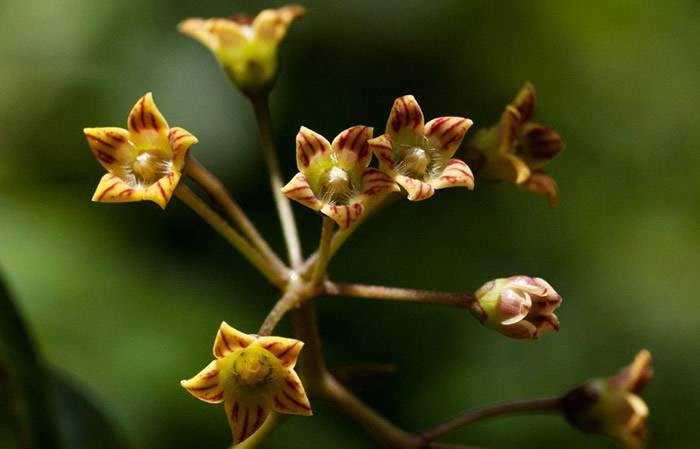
x=463 y=300
x=540 y=405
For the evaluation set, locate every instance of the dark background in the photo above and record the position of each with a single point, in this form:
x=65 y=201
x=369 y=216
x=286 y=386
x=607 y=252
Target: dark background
x=126 y=299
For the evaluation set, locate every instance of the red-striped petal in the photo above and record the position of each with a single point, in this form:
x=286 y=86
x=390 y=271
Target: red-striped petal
x=147 y=126
x=445 y=134
x=180 y=142
x=456 y=174
x=382 y=148
x=162 y=190
x=376 y=182
x=113 y=189
x=206 y=385
x=310 y=145
x=110 y=146
x=417 y=190
x=299 y=190
x=244 y=419
x=292 y=398
x=286 y=350
x=229 y=339
x=344 y=215
x=406 y=121
x=351 y=147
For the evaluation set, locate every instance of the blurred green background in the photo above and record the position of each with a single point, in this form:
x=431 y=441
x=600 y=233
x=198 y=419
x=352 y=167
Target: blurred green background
x=125 y=299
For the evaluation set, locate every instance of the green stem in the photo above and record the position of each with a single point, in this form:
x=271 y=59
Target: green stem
x=23 y=383
x=284 y=207
x=216 y=190
x=324 y=248
x=462 y=300
x=216 y=221
x=541 y=405
x=374 y=424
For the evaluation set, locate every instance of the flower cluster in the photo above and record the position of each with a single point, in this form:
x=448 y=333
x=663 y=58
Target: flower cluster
x=515 y=150
x=253 y=375
x=335 y=179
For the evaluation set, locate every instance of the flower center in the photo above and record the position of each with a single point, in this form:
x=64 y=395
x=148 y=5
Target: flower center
x=147 y=168
x=251 y=368
x=415 y=163
x=336 y=186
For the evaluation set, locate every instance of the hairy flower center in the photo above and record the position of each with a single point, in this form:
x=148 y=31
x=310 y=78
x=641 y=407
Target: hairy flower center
x=415 y=163
x=251 y=368
x=147 y=168
x=336 y=186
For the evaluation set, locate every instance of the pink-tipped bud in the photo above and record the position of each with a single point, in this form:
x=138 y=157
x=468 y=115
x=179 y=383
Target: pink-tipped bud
x=519 y=306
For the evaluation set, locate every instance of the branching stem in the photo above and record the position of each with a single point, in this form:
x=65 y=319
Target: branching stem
x=216 y=190
x=216 y=221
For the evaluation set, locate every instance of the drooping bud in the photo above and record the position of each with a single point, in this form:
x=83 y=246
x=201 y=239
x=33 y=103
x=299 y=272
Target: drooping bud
x=519 y=306
x=612 y=406
x=515 y=149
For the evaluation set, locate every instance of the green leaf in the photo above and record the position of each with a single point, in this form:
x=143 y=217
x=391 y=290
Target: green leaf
x=23 y=385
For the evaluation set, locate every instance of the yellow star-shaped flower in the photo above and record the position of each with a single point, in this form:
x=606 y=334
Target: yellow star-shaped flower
x=252 y=375
x=144 y=162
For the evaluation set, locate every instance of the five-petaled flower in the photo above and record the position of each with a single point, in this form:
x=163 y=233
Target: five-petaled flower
x=335 y=178
x=612 y=406
x=252 y=375
x=516 y=149
x=144 y=162
x=418 y=155
x=246 y=47
x=519 y=306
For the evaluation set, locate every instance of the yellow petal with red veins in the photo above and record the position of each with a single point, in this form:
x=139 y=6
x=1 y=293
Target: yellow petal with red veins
x=344 y=215
x=110 y=146
x=456 y=174
x=244 y=419
x=310 y=145
x=229 y=339
x=292 y=398
x=381 y=146
x=406 y=121
x=206 y=385
x=376 y=182
x=417 y=190
x=113 y=189
x=162 y=190
x=299 y=190
x=352 y=148
x=180 y=141
x=286 y=350
x=445 y=134
x=272 y=24
x=147 y=126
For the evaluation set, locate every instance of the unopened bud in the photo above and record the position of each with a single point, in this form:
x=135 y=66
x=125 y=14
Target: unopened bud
x=519 y=306
x=612 y=406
